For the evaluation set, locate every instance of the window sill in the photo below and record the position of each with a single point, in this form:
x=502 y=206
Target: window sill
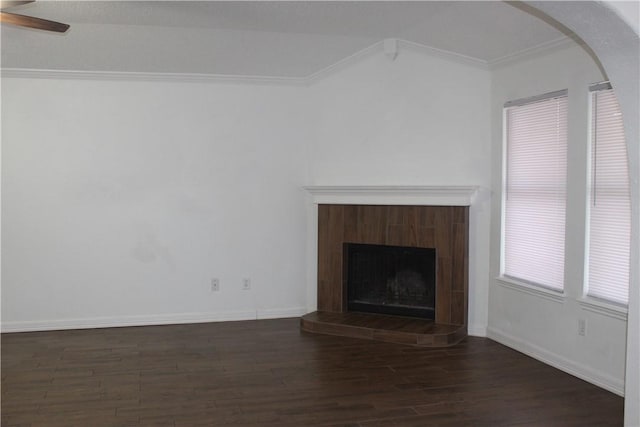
x=537 y=291
x=608 y=309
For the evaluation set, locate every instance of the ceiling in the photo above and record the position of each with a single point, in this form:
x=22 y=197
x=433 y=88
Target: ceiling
x=263 y=38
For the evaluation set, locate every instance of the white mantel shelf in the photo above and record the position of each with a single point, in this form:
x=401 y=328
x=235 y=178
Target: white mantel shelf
x=394 y=195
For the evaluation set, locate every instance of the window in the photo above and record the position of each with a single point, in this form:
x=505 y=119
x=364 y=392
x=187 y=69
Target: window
x=535 y=190
x=609 y=212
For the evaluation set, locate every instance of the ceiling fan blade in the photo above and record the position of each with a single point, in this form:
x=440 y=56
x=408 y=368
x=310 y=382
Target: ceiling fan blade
x=9 y=3
x=31 y=22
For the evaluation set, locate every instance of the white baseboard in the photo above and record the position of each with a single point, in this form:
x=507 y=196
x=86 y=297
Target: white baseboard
x=149 y=320
x=605 y=381
x=477 y=331
x=280 y=313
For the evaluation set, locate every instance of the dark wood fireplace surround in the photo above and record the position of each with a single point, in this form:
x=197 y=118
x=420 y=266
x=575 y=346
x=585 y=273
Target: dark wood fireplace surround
x=445 y=228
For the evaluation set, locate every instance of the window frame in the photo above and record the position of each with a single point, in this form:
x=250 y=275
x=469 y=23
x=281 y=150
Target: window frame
x=588 y=300
x=547 y=291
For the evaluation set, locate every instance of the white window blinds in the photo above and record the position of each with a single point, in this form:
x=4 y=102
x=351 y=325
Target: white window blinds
x=535 y=190
x=610 y=205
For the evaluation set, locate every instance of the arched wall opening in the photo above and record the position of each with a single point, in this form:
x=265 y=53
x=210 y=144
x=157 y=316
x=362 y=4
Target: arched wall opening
x=617 y=46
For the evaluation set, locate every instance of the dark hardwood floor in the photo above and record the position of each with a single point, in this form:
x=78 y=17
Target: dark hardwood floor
x=269 y=373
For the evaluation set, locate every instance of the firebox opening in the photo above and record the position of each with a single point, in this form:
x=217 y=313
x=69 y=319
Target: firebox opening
x=394 y=280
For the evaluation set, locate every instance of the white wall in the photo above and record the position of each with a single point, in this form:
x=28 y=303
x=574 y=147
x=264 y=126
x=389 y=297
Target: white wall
x=539 y=323
x=121 y=200
x=418 y=120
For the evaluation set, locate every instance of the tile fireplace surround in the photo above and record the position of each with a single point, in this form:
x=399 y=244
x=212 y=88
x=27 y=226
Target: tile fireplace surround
x=426 y=217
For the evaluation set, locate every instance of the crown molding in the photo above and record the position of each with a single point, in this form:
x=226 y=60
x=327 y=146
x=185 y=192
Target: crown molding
x=149 y=77
x=309 y=80
x=402 y=44
x=378 y=47
x=444 y=54
x=345 y=62
x=534 y=52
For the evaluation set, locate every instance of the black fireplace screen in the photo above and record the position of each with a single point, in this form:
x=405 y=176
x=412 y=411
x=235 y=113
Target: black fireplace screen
x=391 y=280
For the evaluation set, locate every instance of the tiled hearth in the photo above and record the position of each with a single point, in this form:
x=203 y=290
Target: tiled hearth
x=393 y=222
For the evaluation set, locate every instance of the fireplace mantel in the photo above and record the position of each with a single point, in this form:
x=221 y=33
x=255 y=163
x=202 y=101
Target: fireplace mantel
x=395 y=195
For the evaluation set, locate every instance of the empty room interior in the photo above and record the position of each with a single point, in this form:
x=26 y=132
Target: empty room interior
x=320 y=213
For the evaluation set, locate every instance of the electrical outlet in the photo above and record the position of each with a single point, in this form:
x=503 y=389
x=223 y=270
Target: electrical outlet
x=246 y=284
x=582 y=327
x=215 y=285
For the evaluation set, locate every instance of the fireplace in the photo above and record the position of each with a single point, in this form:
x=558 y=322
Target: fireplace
x=433 y=222
x=397 y=280
x=442 y=228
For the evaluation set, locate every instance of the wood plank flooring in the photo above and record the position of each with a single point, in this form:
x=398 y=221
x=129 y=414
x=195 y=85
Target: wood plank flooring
x=269 y=373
